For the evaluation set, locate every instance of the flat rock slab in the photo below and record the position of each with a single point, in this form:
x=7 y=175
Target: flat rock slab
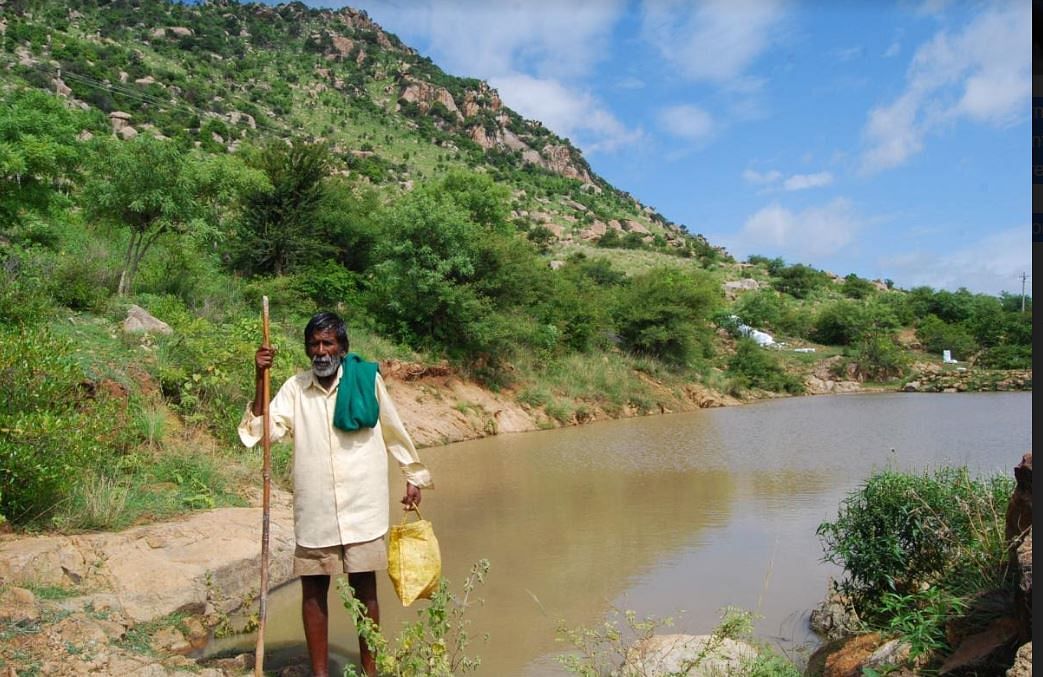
x=206 y=559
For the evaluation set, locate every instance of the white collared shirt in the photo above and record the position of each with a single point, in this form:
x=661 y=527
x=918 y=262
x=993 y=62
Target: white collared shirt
x=340 y=487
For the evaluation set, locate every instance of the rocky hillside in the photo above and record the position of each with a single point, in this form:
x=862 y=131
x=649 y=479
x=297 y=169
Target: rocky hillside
x=224 y=73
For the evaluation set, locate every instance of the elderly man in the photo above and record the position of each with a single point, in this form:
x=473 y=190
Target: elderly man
x=344 y=425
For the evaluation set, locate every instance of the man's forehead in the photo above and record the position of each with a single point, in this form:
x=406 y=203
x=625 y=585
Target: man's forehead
x=324 y=335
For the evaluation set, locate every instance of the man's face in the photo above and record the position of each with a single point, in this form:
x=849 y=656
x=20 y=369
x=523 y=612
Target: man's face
x=325 y=352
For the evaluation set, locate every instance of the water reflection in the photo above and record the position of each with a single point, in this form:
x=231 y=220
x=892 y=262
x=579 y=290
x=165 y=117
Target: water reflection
x=687 y=512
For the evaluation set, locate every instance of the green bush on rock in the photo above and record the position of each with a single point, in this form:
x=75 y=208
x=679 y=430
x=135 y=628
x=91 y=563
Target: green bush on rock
x=901 y=531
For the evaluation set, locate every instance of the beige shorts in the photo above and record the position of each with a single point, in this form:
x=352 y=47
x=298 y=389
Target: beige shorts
x=338 y=559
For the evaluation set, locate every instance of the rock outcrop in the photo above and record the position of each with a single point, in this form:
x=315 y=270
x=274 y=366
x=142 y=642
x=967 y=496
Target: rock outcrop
x=732 y=288
x=931 y=378
x=205 y=563
x=693 y=655
x=425 y=96
x=834 y=618
x=140 y=320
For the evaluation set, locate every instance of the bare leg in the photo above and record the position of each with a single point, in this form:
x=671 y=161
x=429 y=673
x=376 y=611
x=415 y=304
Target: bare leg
x=364 y=583
x=315 y=614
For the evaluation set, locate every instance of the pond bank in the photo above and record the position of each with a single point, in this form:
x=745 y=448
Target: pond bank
x=108 y=619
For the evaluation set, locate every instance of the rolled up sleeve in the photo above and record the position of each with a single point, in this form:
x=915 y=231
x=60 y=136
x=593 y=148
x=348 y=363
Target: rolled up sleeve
x=280 y=410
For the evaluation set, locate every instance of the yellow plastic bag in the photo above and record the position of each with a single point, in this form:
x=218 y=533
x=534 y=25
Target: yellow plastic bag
x=414 y=561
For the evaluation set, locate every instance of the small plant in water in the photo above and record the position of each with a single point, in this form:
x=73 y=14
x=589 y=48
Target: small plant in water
x=431 y=645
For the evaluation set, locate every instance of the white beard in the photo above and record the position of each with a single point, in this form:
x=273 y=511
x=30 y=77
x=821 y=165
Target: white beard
x=323 y=367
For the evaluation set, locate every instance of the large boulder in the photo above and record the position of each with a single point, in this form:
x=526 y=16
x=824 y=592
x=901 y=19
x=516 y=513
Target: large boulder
x=859 y=655
x=733 y=287
x=693 y=655
x=835 y=617
x=140 y=320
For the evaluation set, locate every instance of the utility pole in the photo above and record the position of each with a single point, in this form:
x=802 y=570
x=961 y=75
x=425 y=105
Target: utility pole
x=1023 y=277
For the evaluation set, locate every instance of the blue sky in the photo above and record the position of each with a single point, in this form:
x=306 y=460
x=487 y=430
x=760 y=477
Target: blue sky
x=891 y=140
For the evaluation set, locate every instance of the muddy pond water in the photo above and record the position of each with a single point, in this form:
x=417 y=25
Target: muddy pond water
x=670 y=516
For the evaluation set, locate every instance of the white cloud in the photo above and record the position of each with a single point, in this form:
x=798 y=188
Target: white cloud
x=773 y=178
x=566 y=111
x=933 y=6
x=893 y=50
x=989 y=265
x=630 y=82
x=760 y=178
x=487 y=39
x=982 y=74
x=849 y=53
x=713 y=40
x=804 y=181
x=812 y=233
x=687 y=121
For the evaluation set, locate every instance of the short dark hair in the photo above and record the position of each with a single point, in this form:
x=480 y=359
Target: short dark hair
x=322 y=322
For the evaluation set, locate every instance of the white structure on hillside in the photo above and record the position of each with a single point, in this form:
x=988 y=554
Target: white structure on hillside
x=761 y=338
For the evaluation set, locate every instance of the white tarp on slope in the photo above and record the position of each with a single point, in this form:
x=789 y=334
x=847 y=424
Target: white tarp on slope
x=761 y=338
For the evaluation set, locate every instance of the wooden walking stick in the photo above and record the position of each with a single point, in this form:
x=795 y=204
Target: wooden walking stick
x=266 y=493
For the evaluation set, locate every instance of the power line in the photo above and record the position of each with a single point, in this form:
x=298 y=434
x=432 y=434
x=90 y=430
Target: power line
x=129 y=92
x=1024 y=276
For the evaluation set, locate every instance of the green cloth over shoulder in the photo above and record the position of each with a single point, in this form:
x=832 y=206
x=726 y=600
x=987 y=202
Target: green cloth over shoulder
x=356 y=406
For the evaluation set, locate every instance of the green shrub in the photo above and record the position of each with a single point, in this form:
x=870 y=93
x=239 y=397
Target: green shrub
x=937 y=335
x=1006 y=357
x=433 y=644
x=328 y=284
x=36 y=372
x=920 y=618
x=838 y=324
x=185 y=271
x=206 y=370
x=855 y=287
x=754 y=367
x=799 y=280
x=51 y=429
x=82 y=281
x=23 y=295
x=901 y=530
x=665 y=313
x=769 y=310
x=879 y=358
x=41 y=454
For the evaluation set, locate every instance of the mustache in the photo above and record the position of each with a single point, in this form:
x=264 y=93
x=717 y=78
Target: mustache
x=324 y=365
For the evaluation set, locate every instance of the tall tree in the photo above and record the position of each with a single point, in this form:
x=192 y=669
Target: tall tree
x=278 y=229
x=38 y=152
x=155 y=187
